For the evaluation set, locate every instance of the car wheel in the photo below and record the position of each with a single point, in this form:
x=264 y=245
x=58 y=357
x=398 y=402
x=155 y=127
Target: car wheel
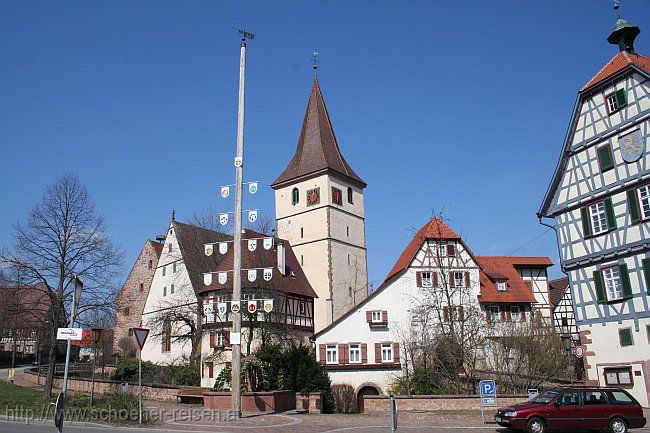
x=536 y=425
x=617 y=425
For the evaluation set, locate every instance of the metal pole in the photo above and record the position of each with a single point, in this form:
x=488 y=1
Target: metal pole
x=92 y=386
x=236 y=292
x=140 y=389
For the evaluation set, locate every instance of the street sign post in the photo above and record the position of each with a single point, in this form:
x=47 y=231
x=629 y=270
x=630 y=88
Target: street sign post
x=141 y=335
x=393 y=413
x=488 y=391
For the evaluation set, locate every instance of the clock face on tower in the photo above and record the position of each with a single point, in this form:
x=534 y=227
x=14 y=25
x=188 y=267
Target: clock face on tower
x=313 y=196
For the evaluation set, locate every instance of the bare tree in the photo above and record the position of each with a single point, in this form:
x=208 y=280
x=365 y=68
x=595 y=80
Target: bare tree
x=62 y=237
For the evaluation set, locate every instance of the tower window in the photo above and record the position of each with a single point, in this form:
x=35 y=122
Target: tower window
x=337 y=196
x=164 y=270
x=350 y=195
x=302 y=232
x=348 y=230
x=302 y=260
x=141 y=287
x=348 y=260
x=616 y=101
x=295 y=196
x=169 y=248
x=150 y=264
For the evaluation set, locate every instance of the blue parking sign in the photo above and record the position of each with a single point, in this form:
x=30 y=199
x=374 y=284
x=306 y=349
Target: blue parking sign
x=488 y=387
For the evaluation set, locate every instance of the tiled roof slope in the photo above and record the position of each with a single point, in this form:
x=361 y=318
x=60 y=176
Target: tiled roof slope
x=318 y=151
x=506 y=266
x=556 y=289
x=294 y=281
x=433 y=229
x=191 y=241
x=619 y=62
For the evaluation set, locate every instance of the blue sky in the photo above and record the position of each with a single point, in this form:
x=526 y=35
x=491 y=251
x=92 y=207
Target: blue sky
x=460 y=106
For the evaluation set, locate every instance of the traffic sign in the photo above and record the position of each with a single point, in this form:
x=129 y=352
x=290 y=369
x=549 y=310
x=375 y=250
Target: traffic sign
x=69 y=334
x=488 y=387
x=141 y=335
x=488 y=401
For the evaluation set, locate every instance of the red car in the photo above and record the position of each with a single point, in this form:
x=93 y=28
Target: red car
x=565 y=408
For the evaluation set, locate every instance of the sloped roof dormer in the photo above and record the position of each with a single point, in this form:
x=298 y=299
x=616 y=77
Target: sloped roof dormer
x=318 y=151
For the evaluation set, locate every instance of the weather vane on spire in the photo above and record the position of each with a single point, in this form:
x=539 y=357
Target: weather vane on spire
x=617 y=6
x=314 y=58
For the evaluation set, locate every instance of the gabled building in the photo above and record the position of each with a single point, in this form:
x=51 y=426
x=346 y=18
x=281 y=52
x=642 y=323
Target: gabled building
x=23 y=313
x=172 y=309
x=562 y=306
x=130 y=301
x=599 y=204
x=320 y=212
x=271 y=277
x=437 y=279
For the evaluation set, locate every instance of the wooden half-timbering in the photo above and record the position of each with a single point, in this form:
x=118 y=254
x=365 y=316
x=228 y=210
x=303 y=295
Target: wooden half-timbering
x=599 y=202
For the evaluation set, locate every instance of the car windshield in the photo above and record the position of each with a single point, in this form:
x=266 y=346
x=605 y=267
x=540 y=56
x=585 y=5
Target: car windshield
x=546 y=398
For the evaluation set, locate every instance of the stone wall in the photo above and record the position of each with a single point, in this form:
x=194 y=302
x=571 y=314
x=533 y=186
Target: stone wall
x=408 y=403
x=149 y=392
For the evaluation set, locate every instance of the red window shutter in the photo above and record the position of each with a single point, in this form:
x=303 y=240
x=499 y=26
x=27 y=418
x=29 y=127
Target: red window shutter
x=461 y=313
x=342 y=354
x=503 y=316
x=509 y=315
x=451 y=250
x=384 y=316
x=434 y=279
x=210 y=369
x=522 y=314
x=488 y=315
x=467 y=282
x=321 y=353
x=418 y=279
x=452 y=283
x=377 y=353
x=445 y=313
x=369 y=316
x=364 y=353
x=212 y=339
x=226 y=338
x=396 y=353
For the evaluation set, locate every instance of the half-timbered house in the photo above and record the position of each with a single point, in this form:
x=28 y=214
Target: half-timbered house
x=277 y=300
x=437 y=279
x=562 y=306
x=599 y=200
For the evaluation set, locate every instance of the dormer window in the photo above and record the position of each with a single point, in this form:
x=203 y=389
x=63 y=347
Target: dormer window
x=616 y=101
x=501 y=286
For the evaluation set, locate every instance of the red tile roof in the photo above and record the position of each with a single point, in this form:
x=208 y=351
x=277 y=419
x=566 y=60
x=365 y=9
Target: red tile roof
x=556 y=289
x=317 y=151
x=497 y=267
x=619 y=62
x=433 y=229
x=294 y=281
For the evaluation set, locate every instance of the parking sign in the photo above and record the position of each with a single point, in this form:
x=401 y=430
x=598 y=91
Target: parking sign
x=488 y=391
x=487 y=387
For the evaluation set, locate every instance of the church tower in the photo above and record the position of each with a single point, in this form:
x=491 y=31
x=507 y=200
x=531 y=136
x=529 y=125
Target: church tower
x=319 y=210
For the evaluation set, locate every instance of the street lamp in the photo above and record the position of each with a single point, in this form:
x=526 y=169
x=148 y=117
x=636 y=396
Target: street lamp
x=96 y=336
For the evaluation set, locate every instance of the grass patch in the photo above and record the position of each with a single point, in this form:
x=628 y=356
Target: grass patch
x=14 y=399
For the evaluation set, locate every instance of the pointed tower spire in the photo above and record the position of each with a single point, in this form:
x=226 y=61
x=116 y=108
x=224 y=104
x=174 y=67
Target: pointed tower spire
x=318 y=151
x=623 y=33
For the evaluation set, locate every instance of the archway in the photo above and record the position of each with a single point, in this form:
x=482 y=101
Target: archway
x=363 y=391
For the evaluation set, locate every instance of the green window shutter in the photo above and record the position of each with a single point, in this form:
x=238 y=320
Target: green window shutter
x=165 y=291
x=621 y=98
x=625 y=280
x=171 y=289
x=625 y=337
x=600 y=290
x=174 y=268
x=586 y=225
x=633 y=206
x=609 y=210
x=646 y=274
x=605 y=159
x=164 y=270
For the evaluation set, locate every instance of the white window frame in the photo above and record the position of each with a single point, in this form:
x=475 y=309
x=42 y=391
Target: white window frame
x=613 y=283
x=355 y=353
x=598 y=218
x=442 y=250
x=612 y=105
x=459 y=282
x=515 y=316
x=220 y=339
x=495 y=313
x=501 y=286
x=386 y=352
x=375 y=316
x=426 y=278
x=643 y=194
x=331 y=354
